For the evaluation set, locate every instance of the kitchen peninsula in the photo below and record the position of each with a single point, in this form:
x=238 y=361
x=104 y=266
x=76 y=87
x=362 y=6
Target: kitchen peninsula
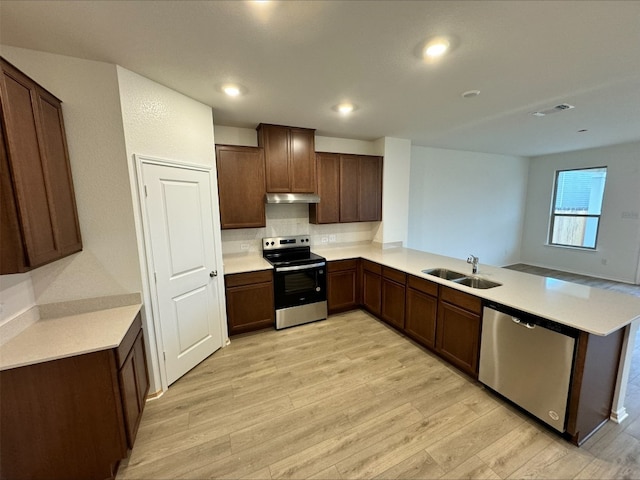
x=600 y=315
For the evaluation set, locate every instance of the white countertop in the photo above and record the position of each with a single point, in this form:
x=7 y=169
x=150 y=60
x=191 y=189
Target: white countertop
x=242 y=263
x=68 y=336
x=590 y=309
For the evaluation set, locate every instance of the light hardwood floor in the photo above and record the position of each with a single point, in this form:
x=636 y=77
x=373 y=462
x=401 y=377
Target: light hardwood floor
x=349 y=397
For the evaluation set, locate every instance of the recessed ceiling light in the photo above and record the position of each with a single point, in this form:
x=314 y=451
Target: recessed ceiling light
x=471 y=93
x=232 y=89
x=436 y=48
x=345 y=108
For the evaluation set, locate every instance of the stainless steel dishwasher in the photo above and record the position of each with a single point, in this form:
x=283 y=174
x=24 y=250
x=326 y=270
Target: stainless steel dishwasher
x=529 y=361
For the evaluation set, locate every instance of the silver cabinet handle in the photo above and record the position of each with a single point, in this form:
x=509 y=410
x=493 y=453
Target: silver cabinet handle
x=213 y=273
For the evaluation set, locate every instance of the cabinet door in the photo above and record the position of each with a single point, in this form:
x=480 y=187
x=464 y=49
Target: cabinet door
x=348 y=188
x=142 y=371
x=26 y=153
x=302 y=160
x=275 y=140
x=250 y=303
x=58 y=175
x=129 y=394
x=62 y=419
x=241 y=186
x=371 y=292
x=12 y=255
x=40 y=222
x=133 y=378
x=392 y=309
x=341 y=291
x=328 y=210
x=420 y=320
x=458 y=337
x=370 y=189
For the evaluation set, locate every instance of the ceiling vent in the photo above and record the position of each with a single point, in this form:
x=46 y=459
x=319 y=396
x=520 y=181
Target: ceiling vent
x=556 y=109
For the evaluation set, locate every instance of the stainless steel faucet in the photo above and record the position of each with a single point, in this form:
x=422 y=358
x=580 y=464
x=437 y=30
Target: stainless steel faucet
x=473 y=260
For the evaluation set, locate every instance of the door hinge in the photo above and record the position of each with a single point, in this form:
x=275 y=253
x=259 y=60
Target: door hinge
x=165 y=356
x=155 y=277
x=145 y=191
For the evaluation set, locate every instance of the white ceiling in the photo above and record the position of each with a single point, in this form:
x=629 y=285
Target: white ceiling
x=298 y=59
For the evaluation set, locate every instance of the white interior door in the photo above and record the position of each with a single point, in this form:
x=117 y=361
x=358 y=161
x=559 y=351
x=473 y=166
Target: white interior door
x=180 y=224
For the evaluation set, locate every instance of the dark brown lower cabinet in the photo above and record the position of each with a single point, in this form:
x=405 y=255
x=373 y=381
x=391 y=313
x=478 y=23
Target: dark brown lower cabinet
x=250 y=303
x=134 y=381
x=73 y=417
x=371 y=287
x=342 y=285
x=421 y=311
x=593 y=383
x=458 y=329
x=393 y=297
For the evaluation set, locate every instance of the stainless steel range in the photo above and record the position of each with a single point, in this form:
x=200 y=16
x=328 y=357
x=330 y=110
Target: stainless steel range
x=300 y=280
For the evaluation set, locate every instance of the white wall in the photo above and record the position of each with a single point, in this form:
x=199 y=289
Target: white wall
x=293 y=219
x=463 y=203
x=162 y=123
x=108 y=264
x=247 y=137
x=346 y=145
x=618 y=248
x=396 y=172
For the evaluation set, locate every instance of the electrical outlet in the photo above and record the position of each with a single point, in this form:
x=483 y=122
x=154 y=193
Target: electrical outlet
x=244 y=246
x=324 y=239
x=332 y=239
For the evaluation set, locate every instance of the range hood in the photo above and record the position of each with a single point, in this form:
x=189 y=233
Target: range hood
x=292 y=198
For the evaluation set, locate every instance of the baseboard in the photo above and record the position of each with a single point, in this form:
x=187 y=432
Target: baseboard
x=619 y=416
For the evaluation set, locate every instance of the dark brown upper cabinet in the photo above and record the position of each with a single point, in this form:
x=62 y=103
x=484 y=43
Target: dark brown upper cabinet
x=39 y=219
x=328 y=174
x=289 y=158
x=369 y=188
x=350 y=189
x=241 y=186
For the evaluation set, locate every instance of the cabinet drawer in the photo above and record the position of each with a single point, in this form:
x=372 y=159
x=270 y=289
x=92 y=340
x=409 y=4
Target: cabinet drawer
x=342 y=265
x=395 y=275
x=239 y=279
x=461 y=299
x=372 y=267
x=127 y=342
x=422 y=285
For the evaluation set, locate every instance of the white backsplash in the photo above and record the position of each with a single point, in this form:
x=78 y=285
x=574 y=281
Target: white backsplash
x=293 y=219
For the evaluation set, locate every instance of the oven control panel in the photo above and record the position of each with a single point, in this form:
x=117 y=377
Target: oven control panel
x=276 y=243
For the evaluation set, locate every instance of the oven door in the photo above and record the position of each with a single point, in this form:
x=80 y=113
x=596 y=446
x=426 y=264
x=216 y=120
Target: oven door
x=300 y=285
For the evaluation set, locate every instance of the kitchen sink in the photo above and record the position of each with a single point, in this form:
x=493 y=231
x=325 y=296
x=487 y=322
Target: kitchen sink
x=476 y=282
x=444 y=273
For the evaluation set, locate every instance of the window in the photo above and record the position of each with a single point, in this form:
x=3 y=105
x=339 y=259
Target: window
x=577 y=205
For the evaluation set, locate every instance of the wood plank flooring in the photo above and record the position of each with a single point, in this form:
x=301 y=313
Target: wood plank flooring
x=350 y=398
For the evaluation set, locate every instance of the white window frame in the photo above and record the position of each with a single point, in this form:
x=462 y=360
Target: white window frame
x=553 y=215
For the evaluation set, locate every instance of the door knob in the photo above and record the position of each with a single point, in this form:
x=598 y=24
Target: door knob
x=213 y=273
